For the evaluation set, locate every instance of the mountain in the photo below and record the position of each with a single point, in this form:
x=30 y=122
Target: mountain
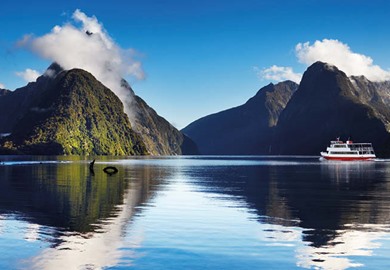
x=67 y=112
x=17 y=110
x=160 y=137
x=4 y=92
x=374 y=94
x=285 y=119
x=327 y=105
x=246 y=129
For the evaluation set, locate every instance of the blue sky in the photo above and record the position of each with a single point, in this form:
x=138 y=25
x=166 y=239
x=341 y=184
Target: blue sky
x=200 y=57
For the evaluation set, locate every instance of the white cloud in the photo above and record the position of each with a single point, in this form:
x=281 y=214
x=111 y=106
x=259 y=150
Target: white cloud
x=84 y=43
x=277 y=73
x=330 y=51
x=24 y=41
x=29 y=75
x=2 y=86
x=340 y=54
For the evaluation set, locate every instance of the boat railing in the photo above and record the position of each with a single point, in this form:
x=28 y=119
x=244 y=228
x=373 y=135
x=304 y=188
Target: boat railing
x=361 y=148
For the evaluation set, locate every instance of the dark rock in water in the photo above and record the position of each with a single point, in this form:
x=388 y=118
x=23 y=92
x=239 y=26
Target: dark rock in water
x=327 y=105
x=91 y=165
x=246 y=129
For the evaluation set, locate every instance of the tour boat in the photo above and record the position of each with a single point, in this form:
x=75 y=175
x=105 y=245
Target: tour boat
x=339 y=150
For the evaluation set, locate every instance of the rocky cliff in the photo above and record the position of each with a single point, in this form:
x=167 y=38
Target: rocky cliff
x=160 y=137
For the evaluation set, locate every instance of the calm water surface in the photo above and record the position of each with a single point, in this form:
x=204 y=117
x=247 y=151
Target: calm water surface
x=194 y=213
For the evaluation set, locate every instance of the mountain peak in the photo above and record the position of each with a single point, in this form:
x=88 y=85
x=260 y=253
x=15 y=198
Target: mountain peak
x=322 y=67
x=323 y=79
x=53 y=70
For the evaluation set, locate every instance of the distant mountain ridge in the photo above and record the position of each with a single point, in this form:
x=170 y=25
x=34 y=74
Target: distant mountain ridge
x=327 y=104
x=246 y=129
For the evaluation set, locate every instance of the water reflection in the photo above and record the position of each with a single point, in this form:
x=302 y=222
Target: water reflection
x=242 y=209
x=60 y=195
x=82 y=215
x=324 y=199
x=345 y=250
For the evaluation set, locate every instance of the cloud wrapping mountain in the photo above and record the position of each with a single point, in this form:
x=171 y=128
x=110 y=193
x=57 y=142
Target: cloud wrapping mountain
x=339 y=54
x=84 y=43
x=330 y=51
x=278 y=73
x=29 y=75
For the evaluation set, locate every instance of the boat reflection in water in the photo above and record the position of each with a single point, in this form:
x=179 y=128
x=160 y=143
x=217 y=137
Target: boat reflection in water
x=195 y=213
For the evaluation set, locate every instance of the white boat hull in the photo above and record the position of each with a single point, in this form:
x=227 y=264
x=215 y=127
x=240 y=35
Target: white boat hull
x=344 y=157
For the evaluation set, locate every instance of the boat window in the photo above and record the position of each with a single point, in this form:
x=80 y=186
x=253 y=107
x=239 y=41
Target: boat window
x=339 y=146
x=344 y=153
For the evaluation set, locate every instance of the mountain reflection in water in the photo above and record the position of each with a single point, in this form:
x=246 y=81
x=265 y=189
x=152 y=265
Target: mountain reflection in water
x=195 y=212
x=84 y=214
x=342 y=208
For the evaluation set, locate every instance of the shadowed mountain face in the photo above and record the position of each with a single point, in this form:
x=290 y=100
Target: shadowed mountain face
x=4 y=92
x=280 y=120
x=246 y=129
x=13 y=105
x=70 y=112
x=326 y=105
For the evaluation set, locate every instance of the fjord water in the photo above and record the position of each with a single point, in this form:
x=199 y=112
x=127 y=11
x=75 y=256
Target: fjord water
x=194 y=213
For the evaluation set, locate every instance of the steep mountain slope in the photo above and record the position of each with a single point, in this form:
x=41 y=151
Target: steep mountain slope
x=327 y=105
x=71 y=113
x=246 y=129
x=160 y=137
x=374 y=94
x=15 y=104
